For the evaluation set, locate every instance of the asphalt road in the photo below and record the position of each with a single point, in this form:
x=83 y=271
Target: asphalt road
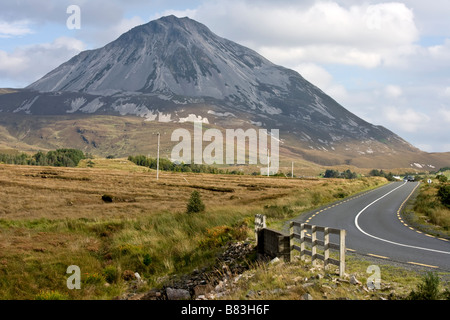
x=374 y=227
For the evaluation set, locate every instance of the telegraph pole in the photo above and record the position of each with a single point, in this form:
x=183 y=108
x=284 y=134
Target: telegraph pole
x=157 y=160
x=292 y=170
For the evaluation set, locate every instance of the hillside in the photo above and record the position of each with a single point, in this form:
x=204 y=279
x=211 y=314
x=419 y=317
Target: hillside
x=122 y=136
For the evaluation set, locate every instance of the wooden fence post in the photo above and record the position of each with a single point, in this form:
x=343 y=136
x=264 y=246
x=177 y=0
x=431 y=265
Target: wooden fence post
x=342 y=253
x=302 y=241
x=291 y=241
x=326 y=247
x=314 y=245
x=260 y=223
x=315 y=242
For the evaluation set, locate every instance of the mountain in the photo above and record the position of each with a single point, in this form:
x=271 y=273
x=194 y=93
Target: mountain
x=175 y=70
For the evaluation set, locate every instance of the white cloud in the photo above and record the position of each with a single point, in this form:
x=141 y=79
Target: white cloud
x=330 y=53
x=432 y=18
x=323 y=32
x=315 y=74
x=14 y=29
x=447 y=92
x=424 y=147
x=393 y=91
x=444 y=114
x=440 y=52
x=127 y=24
x=10 y=63
x=28 y=63
x=407 y=120
x=103 y=13
x=321 y=78
x=101 y=36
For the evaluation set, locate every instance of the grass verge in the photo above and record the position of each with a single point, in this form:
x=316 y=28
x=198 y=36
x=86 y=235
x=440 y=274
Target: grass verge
x=425 y=212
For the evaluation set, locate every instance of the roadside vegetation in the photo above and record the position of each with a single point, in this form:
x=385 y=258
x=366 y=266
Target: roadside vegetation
x=113 y=219
x=299 y=280
x=429 y=211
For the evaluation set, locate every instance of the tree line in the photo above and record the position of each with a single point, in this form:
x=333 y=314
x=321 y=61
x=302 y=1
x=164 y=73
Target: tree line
x=167 y=165
x=380 y=173
x=347 y=174
x=56 y=158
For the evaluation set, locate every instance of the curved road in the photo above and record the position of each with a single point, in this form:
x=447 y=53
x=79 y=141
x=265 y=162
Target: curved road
x=374 y=227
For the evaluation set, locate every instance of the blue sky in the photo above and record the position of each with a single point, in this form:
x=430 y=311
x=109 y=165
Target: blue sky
x=388 y=62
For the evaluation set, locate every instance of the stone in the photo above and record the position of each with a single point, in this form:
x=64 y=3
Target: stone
x=354 y=281
x=307 y=296
x=202 y=289
x=152 y=295
x=207 y=282
x=251 y=293
x=177 y=294
x=138 y=277
x=308 y=284
x=342 y=281
x=219 y=287
x=276 y=291
x=275 y=260
x=139 y=296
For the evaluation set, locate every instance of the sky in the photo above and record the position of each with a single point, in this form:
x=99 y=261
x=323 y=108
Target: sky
x=387 y=62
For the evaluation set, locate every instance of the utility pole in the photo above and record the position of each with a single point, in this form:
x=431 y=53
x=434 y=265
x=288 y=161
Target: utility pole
x=292 y=170
x=157 y=160
x=268 y=163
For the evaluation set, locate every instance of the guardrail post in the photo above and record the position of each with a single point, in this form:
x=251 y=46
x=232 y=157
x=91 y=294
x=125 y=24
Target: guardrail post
x=291 y=241
x=281 y=244
x=302 y=241
x=314 y=245
x=260 y=223
x=341 y=253
x=326 y=247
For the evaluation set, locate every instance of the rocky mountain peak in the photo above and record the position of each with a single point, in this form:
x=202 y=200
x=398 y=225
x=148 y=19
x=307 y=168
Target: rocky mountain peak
x=177 y=70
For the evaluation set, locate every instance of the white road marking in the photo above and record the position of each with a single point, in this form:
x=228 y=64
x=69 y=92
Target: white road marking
x=388 y=241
